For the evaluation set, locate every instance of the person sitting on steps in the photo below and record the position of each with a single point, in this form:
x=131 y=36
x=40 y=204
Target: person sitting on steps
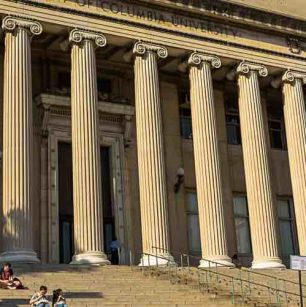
x=39 y=299
x=58 y=299
x=7 y=279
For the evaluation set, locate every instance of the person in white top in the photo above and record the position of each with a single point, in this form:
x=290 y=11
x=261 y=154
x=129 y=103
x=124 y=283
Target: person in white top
x=39 y=299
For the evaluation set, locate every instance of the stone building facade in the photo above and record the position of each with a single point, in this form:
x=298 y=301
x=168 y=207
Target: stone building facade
x=177 y=125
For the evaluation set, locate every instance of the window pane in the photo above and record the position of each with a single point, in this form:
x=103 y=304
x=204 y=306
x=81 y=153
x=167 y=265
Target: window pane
x=240 y=206
x=192 y=203
x=286 y=237
x=194 y=233
x=283 y=208
x=276 y=139
x=243 y=235
x=233 y=129
x=186 y=127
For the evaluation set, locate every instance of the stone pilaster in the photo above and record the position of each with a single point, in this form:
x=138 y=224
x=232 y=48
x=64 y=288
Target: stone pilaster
x=295 y=122
x=151 y=161
x=207 y=163
x=256 y=165
x=17 y=140
x=87 y=190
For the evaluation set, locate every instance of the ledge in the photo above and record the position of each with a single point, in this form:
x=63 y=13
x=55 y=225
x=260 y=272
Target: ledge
x=58 y=101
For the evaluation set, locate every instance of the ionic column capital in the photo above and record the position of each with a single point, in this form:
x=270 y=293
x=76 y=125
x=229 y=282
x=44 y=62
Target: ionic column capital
x=141 y=48
x=291 y=76
x=11 y=23
x=246 y=67
x=78 y=36
x=197 y=58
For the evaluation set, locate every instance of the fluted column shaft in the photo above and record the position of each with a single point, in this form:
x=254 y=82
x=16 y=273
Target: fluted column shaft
x=17 y=140
x=151 y=162
x=87 y=190
x=295 y=122
x=256 y=165
x=207 y=163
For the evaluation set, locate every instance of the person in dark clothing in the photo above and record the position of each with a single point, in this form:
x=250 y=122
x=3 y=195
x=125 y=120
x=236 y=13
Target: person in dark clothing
x=114 y=251
x=7 y=279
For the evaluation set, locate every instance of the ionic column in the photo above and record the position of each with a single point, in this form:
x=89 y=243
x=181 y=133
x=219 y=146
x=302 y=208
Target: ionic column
x=256 y=165
x=295 y=122
x=151 y=162
x=17 y=140
x=87 y=190
x=207 y=163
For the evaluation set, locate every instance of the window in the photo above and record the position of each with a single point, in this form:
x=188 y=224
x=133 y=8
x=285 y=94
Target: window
x=185 y=116
x=233 y=128
x=63 y=80
x=287 y=229
x=232 y=117
x=194 y=240
x=277 y=132
x=242 y=225
x=104 y=85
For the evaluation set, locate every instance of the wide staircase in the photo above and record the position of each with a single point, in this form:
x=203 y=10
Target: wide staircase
x=105 y=286
x=179 y=284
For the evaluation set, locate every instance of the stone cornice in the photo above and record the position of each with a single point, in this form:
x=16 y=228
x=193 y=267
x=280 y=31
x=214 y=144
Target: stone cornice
x=165 y=36
x=11 y=23
x=291 y=76
x=197 y=58
x=246 y=67
x=77 y=36
x=236 y=13
x=140 y=48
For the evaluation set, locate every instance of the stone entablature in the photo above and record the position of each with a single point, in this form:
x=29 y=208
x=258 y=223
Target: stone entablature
x=167 y=25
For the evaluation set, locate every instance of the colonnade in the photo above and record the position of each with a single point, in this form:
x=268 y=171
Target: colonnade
x=87 y=195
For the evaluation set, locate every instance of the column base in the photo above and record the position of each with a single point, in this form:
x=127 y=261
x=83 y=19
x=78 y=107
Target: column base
x=275 y=263
x=20 y=256
x=223 y=262
x=98 y=258
x=150 y=260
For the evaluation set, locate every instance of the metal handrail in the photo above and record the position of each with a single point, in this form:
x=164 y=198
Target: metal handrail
x=233 y=279
x=224 y=265
x=275 y=288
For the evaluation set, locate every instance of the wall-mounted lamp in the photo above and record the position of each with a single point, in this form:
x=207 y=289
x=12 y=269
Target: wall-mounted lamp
x=180 y=179
x=128 y=55
x=182 y=66
x=231 y=75
x=64 y=45
x=276 y=82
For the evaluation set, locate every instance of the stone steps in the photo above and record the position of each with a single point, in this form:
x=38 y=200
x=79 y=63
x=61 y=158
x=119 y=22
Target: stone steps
x=105 y=286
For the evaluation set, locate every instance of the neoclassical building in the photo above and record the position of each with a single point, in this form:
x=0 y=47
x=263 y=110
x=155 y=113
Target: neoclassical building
x=172 y=124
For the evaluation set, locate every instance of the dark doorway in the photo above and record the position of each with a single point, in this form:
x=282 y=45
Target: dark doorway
x=66 y=200
x=108 y=212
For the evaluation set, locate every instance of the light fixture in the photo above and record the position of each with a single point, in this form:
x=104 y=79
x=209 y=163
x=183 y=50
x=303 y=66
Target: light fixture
x=180 y=173
x=182 y=66
x=64 y=45
x=127 y=56
x=231 y=75
x=276 y=82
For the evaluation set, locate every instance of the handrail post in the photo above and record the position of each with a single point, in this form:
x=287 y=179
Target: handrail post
x=285 y=289
x=130 y=254
x=188 y=263
x=277 y=292
x=233 y=291
x=156 y=257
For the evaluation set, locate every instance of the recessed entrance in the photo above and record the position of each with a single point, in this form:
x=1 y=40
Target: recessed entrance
x=65 y=197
